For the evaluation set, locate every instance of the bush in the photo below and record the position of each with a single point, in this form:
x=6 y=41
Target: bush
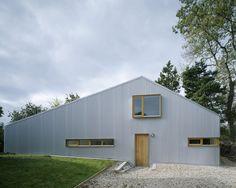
x=224 y=133
x=1 y=147
x=225 y=148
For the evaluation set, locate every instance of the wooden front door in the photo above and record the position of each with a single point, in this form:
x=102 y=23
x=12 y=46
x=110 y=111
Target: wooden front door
x=141 y=149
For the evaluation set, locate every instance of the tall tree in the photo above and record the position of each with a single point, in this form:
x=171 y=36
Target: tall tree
x=1 y=137
x=1 y=111
x=71 y=97
x=55 y=103
x=28 y=110
x=209 y=28
x=169 y=77
x=200 y=85
x=1 y=131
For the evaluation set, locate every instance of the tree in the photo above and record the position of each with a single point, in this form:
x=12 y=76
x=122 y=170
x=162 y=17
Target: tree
x=209 y=28
x=55 y=103
x=169 y=77
x=1 y=137
x=71 y=97
x=1 y=111
x=200 y=85
x=1 y=131
x=28 y=110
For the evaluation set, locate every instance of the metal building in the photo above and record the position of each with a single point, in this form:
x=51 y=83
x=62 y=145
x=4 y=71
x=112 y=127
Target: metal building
x=137 y=121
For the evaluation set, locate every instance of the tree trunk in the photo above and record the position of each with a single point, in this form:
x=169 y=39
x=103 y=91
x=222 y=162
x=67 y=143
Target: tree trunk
x=229 y=114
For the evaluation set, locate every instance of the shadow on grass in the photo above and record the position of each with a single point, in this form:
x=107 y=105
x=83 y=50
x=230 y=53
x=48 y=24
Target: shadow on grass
x=45 y=171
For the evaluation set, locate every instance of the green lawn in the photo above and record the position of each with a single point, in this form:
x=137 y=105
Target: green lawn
x=45 y=171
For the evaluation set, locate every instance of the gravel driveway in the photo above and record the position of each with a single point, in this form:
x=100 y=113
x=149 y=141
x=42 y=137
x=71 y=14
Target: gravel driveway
x=167 y=175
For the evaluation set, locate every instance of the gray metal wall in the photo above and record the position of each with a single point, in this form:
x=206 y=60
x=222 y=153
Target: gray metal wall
x=108 y=114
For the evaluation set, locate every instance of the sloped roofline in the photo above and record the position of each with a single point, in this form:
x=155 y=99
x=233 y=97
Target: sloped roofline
x=177 y=94
x=140 y=77
x=76 y=100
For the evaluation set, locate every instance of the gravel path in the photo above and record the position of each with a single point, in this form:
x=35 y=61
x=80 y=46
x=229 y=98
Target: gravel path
x=167 y=175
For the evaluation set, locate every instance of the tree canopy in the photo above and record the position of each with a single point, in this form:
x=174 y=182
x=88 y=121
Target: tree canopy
x=28 y=110
x=55 y=103
x=169 y=77
x=71 y=97
x=31 y=109
x=1 y=131
x=1 y=137
x=200 y=85
x=1 y=111
x=209 y=28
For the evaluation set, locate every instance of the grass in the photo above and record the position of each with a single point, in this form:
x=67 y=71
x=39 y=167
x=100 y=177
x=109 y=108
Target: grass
x=46 y=171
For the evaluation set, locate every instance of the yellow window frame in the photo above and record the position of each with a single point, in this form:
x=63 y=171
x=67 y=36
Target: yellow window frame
x=89 y=143
x=142 y=106
x=216 y=141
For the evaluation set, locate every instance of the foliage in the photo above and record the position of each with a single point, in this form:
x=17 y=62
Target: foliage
x=224 y=133
x=1 y=137
x=44 y=171
x=201 y=86
x=28 y=110
x=31 y=109
x=1 y=111
x=1 y=131
x=169 y=77
x=71 y=97
x=209 y=28
x=55 y=103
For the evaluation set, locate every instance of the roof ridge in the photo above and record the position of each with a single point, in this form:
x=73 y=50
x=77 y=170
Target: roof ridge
x=76 y=100
x=123 y=83
x=187 y=99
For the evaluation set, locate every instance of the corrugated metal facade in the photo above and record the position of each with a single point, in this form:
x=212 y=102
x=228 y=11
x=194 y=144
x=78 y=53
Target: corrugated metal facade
x=108 y=114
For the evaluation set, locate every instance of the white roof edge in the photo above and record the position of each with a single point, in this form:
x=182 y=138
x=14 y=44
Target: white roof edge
x=123 y=83
x=180 y=95
x=52 y=109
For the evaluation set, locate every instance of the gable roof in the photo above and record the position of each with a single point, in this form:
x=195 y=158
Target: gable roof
x=177 y=94
x=140 y=77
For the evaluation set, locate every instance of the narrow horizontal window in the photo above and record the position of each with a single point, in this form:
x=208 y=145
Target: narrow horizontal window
x=146 y=106
x=72 y=143
x=203 y=141
x=89 y=142
x=84 y=142
x=194 y=141
x=210 y=141
x=96 y=142
x=108 y=142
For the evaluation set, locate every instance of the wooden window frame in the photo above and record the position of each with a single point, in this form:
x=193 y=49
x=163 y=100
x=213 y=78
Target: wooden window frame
x=142 y=106
x=89 y=145
x=217 y=142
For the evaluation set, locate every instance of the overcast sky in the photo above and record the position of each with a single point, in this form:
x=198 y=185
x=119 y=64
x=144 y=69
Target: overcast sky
x=50 y=48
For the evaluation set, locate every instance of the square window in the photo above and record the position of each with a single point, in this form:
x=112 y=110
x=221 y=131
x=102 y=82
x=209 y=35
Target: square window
x=147 y=106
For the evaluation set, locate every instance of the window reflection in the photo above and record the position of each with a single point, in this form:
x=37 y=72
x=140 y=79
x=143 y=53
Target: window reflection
x=151 y=105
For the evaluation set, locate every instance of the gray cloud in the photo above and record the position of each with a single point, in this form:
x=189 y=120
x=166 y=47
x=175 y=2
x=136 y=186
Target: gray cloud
x=48 y=48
